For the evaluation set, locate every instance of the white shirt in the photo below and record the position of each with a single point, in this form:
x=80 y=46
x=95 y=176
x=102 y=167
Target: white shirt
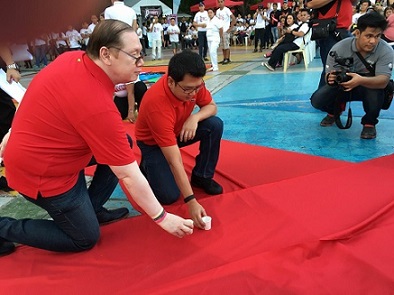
x=156 y=30
x=306 y=38
x=201 y=18
x=120 y=11
x=73 y=38
x=225 y=16
x=260 y=21
x=91 y=27
x=213 y=29
x=139 y=33
x=173 y=32
x=85 y=31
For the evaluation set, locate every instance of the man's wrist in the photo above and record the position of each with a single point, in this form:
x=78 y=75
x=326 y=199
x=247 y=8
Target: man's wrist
x=189 y=198
x=12 y=66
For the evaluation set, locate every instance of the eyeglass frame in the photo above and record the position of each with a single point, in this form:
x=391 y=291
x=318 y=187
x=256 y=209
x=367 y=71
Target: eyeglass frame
x=195 y=89
x=137 y=59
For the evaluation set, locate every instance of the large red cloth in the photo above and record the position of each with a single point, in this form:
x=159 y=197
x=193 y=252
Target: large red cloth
x=328 y=232
x=288 y=223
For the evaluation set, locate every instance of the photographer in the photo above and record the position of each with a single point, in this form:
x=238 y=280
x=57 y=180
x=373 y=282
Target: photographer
x=349 y=79
x=261 y=19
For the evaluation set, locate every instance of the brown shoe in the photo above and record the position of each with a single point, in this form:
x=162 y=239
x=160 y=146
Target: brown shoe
x=328 y=120
x=369 y=132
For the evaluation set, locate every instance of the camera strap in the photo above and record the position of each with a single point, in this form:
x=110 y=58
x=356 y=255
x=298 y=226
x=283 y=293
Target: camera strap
x=339 y=107
x=369 y=67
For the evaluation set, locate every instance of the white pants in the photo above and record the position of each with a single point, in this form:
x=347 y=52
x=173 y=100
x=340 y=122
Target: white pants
x=213 y=46
x=156 y=44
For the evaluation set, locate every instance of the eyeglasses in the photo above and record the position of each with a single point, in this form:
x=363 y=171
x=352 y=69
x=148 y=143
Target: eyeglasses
x=195 y=89
x=137 y=58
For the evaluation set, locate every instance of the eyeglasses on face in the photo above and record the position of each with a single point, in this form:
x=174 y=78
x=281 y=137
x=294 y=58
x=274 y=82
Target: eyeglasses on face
x=138 y=59
x=191 y=90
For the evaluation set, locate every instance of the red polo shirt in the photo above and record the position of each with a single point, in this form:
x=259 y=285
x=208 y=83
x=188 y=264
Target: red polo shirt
x=66 y=116
x=345 y=13
x=161 y=115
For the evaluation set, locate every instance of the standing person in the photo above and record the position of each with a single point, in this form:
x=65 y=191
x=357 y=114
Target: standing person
x=141 y=37
x=326 y=9
x=214 y=33
x=94 y=21
x=7 y=106
x=261 y=18
x=362 y=84
x=228 y=19
x=122 y=12
x=74 y=37
x=40 y=51
x=157 y=37
x=273 y=26
x=174 y=31
x=200 y=23
x=184 y=26
x=167 y=123
x=85 y=33
x=67 y=117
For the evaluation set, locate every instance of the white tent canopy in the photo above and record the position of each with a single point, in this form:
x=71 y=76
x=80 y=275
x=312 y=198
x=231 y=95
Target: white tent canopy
x=136 y=5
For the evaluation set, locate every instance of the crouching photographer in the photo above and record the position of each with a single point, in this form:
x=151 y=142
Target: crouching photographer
x=358 y=69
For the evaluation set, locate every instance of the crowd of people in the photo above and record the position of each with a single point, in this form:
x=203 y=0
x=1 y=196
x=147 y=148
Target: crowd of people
x=55 y=134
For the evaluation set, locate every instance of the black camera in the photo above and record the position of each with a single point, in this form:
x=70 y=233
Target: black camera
x=260 y=7
x=344 y=65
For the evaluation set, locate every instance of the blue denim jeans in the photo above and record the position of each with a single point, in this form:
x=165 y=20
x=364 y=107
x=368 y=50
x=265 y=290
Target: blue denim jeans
x=74 y=226
x=156 y=169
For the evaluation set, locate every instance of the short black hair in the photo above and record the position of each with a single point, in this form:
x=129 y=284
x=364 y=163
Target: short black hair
x=186 y=62
x=372 y=19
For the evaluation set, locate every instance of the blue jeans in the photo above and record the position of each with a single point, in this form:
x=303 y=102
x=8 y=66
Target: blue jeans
x=324 y=100
x=202 y=44
x=74 y=226
x=156 y=169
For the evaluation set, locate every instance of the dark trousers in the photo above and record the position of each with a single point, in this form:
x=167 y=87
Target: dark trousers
x=202 y=44
x=259 y=36
x=277 y=53
x=324 y=99
x=158 y=173
x=7 y=112
x=74 y=226
x=123 y=104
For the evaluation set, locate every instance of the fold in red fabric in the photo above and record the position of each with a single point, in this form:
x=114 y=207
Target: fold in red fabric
x=317 y=228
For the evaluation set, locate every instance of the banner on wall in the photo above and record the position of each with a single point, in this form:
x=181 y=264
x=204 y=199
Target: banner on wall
x=151 y=11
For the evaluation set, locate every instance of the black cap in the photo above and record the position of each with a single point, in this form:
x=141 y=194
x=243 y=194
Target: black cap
x=201 y=4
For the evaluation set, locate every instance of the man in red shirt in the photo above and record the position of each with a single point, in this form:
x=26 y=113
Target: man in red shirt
x=166 y=123
x=67 y=116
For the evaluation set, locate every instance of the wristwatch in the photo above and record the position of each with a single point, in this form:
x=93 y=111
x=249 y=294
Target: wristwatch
x=12 y=66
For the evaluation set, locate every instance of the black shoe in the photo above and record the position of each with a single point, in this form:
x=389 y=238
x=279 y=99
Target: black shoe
x=221 y=62
x=206 y=58
x=6 y=247
x=226 y=61
x=4 y=185
x=209 y=185
x=106 y=216
x=369 y=132
x=327 y=121
x=255 y=50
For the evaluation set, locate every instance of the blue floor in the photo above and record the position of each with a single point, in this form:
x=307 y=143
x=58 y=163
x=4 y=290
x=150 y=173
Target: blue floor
x=273 y=110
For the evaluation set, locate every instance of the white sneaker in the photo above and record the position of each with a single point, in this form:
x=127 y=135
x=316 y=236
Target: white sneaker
x=265 y=64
